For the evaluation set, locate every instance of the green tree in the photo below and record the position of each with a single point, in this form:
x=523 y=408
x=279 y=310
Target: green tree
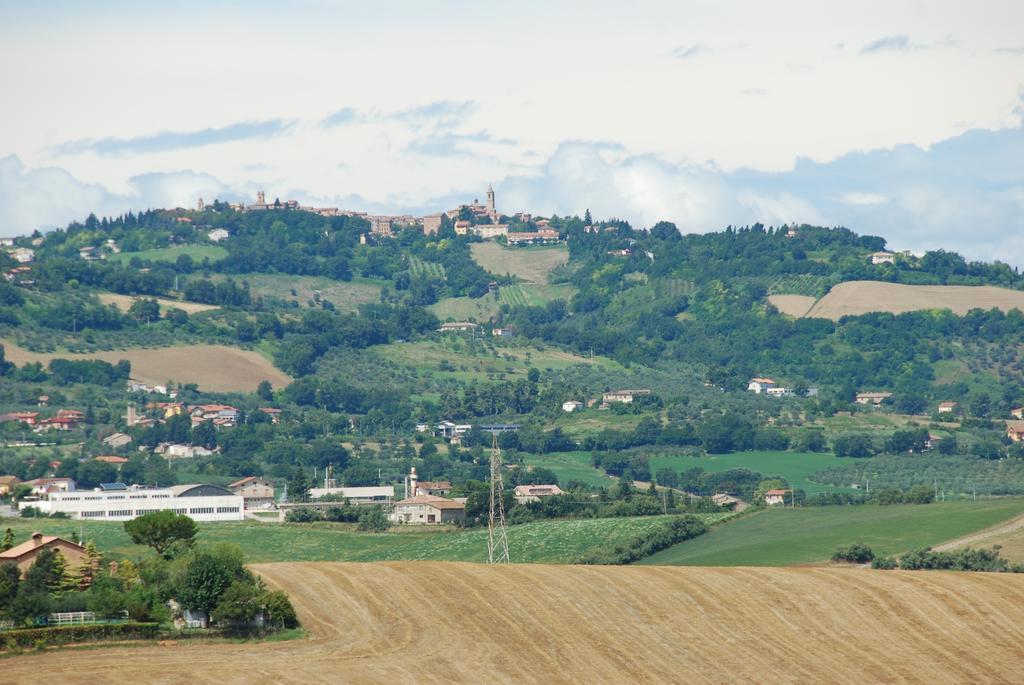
x=279 y=609
x=46 y=574
x=8 y=541
x=144 y=310
x=9 y=580
x=164 y=531
x=206 y=580
x=374 y=519
x=240 y=603
x=265 y=391
x=298 y=487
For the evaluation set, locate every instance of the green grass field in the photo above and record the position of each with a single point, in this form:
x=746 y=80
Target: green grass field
x=570 y=466
x=555 y=542
x=419 y=267
x=531 y=264
x=198 y=253
x=795 y=467
x=486 y=307
x=344 y=295
x=456 y=356
x=785 y=537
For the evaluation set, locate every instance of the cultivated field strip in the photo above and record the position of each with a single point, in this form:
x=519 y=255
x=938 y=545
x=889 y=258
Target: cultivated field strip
x=854 y=298
x=425 y=622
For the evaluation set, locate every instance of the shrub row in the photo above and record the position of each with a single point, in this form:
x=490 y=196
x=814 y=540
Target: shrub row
x=62 y=635
x=645 y=544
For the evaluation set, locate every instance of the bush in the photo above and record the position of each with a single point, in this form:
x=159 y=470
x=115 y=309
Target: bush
x=303 y=516
x=374 y=519
x=857 y=553
x=279 y=609
x=884 y=563
x=62 y=635
x=960 y=560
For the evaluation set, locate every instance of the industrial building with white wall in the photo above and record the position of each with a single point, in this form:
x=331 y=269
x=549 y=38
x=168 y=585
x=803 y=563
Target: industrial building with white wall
x=117 y=502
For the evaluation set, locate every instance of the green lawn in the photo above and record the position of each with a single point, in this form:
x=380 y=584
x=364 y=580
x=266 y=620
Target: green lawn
x=198 y=253
x=542 y=541
x=570 y=466
x=784 y=537
x=795 y=467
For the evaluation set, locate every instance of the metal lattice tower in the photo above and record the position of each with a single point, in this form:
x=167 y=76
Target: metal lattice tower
x=497 y=536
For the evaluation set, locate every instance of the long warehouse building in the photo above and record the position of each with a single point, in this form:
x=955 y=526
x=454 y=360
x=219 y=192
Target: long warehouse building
x=119 y=502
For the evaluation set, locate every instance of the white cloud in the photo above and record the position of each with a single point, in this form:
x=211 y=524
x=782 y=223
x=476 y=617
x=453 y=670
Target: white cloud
x=864 y=198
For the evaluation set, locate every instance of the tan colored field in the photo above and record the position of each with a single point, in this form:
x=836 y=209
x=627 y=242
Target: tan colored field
x=860 y=297
x=418 y=622
x=216 y=368
x=532 y=264
x=123 y=302
x=794 y=305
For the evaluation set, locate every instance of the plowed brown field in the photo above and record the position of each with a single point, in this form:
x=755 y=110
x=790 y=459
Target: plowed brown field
x=421 y=622
x=854 y=298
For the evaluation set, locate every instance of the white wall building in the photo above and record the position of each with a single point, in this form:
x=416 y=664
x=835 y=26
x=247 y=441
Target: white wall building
x=373 y=494
x=760 y=385
x=199 y=502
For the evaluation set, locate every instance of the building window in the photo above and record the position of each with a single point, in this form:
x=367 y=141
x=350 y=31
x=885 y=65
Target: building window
x=93 y=514
x=201 y=510
x=120 y=512
x=227 y=510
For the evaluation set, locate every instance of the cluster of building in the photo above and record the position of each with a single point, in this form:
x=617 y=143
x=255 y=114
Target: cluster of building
x=64 y=420
x=484 y=220
x=607 y=399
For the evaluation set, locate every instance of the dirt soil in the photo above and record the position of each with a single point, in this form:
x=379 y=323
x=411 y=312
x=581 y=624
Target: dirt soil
x=794 y=305
x=860 y=297
x=420 y=622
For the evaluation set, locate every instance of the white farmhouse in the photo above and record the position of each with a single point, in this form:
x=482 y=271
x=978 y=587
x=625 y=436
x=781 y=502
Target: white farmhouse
x=760 y=385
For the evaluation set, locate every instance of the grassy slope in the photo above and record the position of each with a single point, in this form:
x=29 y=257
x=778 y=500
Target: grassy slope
x=784 y=537
x=570 y=466
x=543 y=541
x=531 y=264
x=345 y=295
x=169 y=254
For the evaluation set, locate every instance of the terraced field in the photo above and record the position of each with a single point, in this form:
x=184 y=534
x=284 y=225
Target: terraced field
x=405 y=622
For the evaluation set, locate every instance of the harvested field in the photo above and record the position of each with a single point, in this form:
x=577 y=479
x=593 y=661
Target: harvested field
x=123 y=302
x=531 y=264
x=860 y=297
x=794 y=305
x=404 y=622
x=216 y=368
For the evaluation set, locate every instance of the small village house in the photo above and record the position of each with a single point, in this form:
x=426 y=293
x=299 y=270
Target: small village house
x=24 y=555
x=947 y=407
x=729 y=501
x=572 y=405
x=1017 y=412
x=882 y=257
x=457 y=326
x=760 y=385
x=45 y=486
x=256 y=492
x=534 y=493
x=7 y=484
x=774 y=497
x=111 y=459
x=428 y=510
x=872 y=397
x=624 y=396
x=1015 y=433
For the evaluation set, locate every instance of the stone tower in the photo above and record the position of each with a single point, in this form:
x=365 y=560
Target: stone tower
x=260 y=198
x=199 y=205
x=490 y=201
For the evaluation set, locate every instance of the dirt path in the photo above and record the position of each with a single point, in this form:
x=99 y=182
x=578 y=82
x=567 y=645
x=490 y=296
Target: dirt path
x=409 y=622
x=1004 y=528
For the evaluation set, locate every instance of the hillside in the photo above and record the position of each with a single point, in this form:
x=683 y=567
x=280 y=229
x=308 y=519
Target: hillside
x=463 y=623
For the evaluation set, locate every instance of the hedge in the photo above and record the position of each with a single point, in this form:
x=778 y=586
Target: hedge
x=62 y=635
x=675 y=531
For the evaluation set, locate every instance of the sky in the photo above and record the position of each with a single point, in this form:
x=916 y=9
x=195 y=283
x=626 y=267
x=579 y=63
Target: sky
x=899 y=119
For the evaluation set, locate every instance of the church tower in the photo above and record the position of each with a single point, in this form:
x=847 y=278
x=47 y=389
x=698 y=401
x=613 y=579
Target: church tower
x=490 y=202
